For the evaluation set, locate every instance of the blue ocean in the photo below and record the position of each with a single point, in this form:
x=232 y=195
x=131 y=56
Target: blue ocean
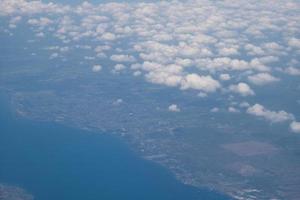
x=54 y=162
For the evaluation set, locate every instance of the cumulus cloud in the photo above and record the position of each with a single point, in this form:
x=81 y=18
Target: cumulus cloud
x=225 y=77
x=294 y=42
x=108 y=36
x=11 y=7
x=101 y=48
x=122 y=58
x=40 y=34
x=215 y=109
x=202 y=94
x=118 y=68
x=117 y=102
x=292 y=71
x=174 y=108
x=137 y=73
x=165 y=78
x=244 y=104
x=42 y=21
x=228 y=51
x=53 y=55
x=295 y=127
x=254 y=50
x=205 y=83
x=262 y=79
x=272 y=116
x=13 y=21
x=233 y=110
x=96 y=68
x=242 y=88
x=109 y=22
x=169 y=42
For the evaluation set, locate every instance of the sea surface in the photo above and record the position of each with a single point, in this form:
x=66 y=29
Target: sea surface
x=54 y=162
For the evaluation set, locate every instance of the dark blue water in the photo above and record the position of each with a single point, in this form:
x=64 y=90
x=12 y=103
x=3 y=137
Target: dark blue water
x=54 y=162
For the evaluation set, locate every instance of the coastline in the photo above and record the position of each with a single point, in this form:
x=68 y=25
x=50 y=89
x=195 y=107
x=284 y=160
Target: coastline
x=120 y=150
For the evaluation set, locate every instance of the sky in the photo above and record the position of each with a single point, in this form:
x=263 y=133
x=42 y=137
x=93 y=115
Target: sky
x=231 y=48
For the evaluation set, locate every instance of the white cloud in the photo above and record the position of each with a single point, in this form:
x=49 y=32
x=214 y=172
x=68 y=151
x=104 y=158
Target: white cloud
x=274 y=46
x=40 y=34
x=254 y=50
x=268 y=59
x=242 y=89
x=184 y=62
x=294 y=42
x=177 y=44
x=53 y=55
x=233 y=110
x=117 y=102
x=119 y=67
x=272 y=116
x=295 y=127
x=137 y=73
x=64 y=49
x=174 y=108
x=215 y=109
x=244 y=104
x=162 y=77
x=42 y=21
x=14 y=21
x=228 y=51
x=101 y=48
x=292 y=71
x=96 y=68
x=11 y=7
x=202 y=94
x=225 y=77
x=108 y=36
x=122 y=58
x=258 y=65
x=205 y=83
x=89 y=57
x=189 y=51
x=262 y=79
